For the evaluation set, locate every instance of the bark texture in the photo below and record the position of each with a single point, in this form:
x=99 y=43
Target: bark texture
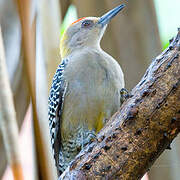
x=141 y=130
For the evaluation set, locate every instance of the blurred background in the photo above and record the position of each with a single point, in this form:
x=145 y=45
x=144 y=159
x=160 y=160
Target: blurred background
x=136 y=36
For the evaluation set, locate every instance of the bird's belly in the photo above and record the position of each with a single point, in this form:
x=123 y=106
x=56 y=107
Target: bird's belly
x=89 y=109
x=93 y=94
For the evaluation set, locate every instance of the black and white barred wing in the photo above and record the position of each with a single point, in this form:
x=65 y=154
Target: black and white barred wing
x=55 y=107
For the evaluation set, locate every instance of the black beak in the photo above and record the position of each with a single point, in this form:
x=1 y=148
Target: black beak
x=109 y=15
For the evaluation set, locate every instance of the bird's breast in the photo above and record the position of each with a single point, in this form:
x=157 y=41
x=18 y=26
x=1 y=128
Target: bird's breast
x=93 y=93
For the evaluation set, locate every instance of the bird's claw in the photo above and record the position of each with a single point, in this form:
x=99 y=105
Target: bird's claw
x=124 y=95
x=90 y=138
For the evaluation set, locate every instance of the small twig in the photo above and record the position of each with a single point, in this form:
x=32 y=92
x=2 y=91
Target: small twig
x=40 y=134
x=8 y=124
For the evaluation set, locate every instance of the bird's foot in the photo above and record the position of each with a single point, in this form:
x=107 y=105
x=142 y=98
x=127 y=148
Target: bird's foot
x=124 y=95
x=88 y=139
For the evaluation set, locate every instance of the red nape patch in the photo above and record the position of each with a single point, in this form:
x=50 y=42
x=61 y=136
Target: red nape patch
x=78 y=20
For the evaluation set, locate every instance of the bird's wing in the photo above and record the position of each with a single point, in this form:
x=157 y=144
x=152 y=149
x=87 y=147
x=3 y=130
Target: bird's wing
x=55 y=107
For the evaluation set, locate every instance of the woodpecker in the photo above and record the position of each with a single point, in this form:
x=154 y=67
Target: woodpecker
x=85 y=90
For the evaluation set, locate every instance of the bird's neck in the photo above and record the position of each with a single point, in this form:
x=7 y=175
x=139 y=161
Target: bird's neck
x=68 y=51
x=64 y=49
x=67 y=48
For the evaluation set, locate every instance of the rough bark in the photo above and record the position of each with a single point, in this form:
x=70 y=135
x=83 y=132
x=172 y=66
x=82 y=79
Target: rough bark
x=141 y=130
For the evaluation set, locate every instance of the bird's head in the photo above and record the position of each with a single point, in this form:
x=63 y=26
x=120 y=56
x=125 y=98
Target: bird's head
x=86 y=32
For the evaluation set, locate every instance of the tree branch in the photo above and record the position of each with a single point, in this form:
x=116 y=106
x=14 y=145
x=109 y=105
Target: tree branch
x=141 y=130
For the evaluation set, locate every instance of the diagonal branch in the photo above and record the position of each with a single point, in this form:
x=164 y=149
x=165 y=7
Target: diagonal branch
x=141 y=130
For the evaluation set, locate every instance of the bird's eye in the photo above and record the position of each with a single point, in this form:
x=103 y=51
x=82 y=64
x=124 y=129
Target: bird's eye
x=87 y=23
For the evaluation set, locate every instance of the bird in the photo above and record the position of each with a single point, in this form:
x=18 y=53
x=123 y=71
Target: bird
x=85 y=90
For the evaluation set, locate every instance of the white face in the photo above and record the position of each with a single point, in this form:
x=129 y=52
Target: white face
x=85 y=32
